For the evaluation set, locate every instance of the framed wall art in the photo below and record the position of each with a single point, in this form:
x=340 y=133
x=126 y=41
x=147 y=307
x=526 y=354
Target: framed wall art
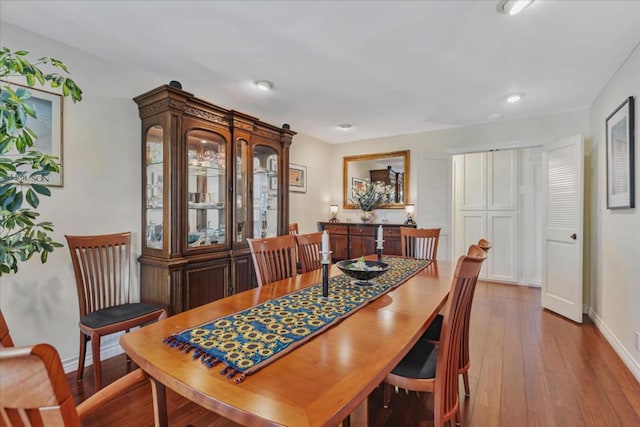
x=620 y=157
x=297 y=178
x=48 y=127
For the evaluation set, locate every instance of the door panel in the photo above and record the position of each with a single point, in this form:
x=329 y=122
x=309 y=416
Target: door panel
x=563 y=166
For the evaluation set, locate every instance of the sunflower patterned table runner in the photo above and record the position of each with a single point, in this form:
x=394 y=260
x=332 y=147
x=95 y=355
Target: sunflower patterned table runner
x=245 y=341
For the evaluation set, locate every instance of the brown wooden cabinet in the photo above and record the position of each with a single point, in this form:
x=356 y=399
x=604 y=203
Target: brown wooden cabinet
x=211 y=177
x=349 y=241
x=390 y=177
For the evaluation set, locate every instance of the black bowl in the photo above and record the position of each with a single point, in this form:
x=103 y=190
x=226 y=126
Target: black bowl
x=362 y=275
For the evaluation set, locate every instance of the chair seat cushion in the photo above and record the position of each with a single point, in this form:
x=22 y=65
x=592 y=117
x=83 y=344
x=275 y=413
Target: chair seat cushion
x=433 y=331
x=116 y=314
x=420 y=362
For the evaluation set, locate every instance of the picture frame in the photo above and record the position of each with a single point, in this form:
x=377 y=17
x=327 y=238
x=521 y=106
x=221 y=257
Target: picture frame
x=48 y=127
x=297 y=178
x=620 y=156
x=356 y=183
x=273 y=183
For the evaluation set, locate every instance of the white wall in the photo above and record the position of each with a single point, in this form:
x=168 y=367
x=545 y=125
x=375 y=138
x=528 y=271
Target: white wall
x=614 y=252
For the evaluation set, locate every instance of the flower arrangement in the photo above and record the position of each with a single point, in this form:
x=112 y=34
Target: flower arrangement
x=371 y=194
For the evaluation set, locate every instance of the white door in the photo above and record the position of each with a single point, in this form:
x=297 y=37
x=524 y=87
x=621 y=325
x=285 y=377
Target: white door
x=563 y=174
x=433 y=208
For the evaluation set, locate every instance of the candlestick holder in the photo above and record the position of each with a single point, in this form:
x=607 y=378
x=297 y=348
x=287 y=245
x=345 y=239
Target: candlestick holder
x=326 y=260
x=379 y=247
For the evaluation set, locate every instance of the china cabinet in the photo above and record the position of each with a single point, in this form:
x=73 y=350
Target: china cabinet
x=211 y=178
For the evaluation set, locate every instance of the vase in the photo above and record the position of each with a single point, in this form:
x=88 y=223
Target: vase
x=366 y=216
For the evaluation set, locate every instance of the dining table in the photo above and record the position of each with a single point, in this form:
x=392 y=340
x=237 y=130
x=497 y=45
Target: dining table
x=321 y=382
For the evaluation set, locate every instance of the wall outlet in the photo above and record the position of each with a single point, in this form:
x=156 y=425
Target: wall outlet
x=638 y=341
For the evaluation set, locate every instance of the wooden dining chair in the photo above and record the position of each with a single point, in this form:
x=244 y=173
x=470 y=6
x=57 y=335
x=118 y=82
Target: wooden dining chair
x=34 y=390
x=293 y=228
x=484 y=244
x=5 y=335
x=309 y=246
x=433 y=332
x=274 y=258
x=102 y=264
x=434 y=368
x=419 y=243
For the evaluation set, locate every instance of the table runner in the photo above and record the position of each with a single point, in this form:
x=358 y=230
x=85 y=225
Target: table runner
x=248 y=340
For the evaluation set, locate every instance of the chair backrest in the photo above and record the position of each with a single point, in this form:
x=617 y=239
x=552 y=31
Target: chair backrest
x=419 y=242
x=102 y=266
x=274 y=258
x=34 y=388
x=309 y=246
x=293 y=228
x=459 y=301
x=484 y=244
x=5 y=336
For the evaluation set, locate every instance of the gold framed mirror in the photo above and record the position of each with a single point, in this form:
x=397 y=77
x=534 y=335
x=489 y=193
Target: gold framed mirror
x=391 y=168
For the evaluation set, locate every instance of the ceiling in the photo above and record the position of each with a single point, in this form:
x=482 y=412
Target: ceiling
x=385 y=67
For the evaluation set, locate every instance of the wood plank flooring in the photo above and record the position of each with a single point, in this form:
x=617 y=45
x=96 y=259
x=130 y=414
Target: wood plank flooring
x=529 y=367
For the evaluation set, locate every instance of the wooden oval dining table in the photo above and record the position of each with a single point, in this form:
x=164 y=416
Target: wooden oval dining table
x=320 y=383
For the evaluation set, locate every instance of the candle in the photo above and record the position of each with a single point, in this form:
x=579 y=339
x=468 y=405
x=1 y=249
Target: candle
x=325 y=246
x=380 y=234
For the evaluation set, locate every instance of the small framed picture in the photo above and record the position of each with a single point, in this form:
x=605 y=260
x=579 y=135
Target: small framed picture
x=357 y=183
x=620 y=157
x=297 y=178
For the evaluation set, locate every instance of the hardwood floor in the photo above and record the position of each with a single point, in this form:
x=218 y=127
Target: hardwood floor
x=529 y=367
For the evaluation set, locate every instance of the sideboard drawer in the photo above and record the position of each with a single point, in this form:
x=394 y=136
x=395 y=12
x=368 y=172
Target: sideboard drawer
x=336 y=229
x=391 y=232
x=362 y=230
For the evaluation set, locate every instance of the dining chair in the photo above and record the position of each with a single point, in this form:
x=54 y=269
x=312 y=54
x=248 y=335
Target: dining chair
x=274 y=258
x=5 y=335
x=309 y=246
x=433 y=332
x=484 y=244
x=102 y=264
x=34 y=390
x=293 y=228
x=433 y=368
x=419 y=243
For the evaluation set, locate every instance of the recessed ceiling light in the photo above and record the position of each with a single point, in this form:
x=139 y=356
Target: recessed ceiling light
x=345 y=126
x=263 y=84
x=514 y=97
x=494 y=116
x=512 y=7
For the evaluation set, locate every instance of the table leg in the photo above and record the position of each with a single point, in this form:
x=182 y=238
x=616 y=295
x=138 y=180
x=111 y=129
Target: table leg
x=159 y=392
x=360 y=416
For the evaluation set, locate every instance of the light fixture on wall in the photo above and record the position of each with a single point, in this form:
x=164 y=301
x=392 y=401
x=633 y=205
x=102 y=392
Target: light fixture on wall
x=334 y=213
x=512 y=7
x=410 y=209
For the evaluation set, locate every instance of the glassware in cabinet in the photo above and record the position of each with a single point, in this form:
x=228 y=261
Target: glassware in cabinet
x=154 y=197
x=206 y=188
x=265 y=192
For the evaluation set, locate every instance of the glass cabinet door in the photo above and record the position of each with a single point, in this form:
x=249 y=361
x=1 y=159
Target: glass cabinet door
x=206 y=188
x=241 y=190
x=154 y=202
x=265 y=192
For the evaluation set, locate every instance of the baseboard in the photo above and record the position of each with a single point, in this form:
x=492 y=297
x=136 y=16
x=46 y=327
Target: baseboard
x=110 y=347
x=633 y=366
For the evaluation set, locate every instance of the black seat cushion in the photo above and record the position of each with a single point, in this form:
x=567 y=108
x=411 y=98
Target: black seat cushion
x=118 y=313
x=433 y=331
x=420 y=362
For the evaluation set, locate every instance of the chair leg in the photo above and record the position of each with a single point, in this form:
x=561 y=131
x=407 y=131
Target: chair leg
x=83 y=351
x=386 y=395
x=465 y=378
x=457 y=417
x=95 y=350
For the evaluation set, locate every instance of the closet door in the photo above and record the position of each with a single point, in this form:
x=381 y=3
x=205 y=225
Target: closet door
x=471 y=179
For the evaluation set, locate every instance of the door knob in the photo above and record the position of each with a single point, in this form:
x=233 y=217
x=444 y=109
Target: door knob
x=574 y=236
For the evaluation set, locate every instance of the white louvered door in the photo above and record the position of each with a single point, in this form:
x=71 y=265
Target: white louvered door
x=563 y=166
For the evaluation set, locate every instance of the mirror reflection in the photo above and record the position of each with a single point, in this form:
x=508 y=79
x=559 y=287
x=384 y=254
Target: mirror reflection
x=390 y=168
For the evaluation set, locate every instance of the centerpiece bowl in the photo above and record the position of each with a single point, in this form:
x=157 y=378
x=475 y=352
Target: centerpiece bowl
x=362 y=271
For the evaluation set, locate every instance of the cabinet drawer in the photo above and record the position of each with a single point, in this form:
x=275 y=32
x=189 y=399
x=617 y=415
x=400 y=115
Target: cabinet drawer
x=361 y=230
x=391 y=232
x=336 y=229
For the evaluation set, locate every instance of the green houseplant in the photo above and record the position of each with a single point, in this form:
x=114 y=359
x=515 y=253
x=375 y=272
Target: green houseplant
x=21 y=236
